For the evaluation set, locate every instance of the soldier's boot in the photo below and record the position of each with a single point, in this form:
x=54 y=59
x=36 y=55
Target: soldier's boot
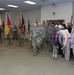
x=73 y=58
x=19 y=44
x=41 y=48
x=43 y=44
x=35 y=53
x=8 y=42
x=38 y=51
x=1 y=41
x=31 y=45
x=22 y=44
x=11 y=42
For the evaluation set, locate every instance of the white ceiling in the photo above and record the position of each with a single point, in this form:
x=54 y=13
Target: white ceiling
x=24 y=6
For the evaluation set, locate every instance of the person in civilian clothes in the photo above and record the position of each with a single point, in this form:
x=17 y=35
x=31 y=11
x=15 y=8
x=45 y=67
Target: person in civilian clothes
x=64 y=25
x=51 y=36
x=72 y=40
x=55 y=50
x=55 y=36
x=66 y=43
x=55 y=45
x=60 y=43
x=69 y=27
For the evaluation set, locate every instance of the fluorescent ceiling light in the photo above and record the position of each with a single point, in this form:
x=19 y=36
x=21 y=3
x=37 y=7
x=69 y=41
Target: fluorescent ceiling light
x=2 y=9
x=14 y=6
x=30 y=2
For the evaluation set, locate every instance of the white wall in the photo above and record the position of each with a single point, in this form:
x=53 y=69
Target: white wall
x=12 y=16
x=62 y=11
x=73 y=12
x=32 y=15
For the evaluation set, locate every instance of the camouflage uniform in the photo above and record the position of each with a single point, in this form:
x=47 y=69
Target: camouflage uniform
x=24 y=31
x=33 y=36
x=41 y=35
x=1 y=32
x=15 y=32
x=36 y=35
x=20 y=38
x=10 y=36
x=46 y=30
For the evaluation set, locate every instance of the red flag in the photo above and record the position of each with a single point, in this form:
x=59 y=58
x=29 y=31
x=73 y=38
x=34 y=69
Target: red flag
x=20 y=28
x=8 y=21
x=20 y=21
x=28 y=25
x=71 y=21
x=8 y=24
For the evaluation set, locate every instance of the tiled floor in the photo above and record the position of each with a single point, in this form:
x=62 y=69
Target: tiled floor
x=16 y=60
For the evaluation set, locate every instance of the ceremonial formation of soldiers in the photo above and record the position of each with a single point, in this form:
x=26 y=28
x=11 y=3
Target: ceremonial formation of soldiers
x=14 y=33
x=57 y=37
x=38 y=36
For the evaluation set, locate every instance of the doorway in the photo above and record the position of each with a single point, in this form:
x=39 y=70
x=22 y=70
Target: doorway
x=58 y=22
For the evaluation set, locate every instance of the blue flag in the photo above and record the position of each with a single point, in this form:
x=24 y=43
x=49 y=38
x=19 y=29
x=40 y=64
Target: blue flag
x=28 y=25
x=23 y=20
x=3 y=25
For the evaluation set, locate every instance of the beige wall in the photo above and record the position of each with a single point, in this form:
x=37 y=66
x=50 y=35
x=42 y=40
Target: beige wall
x=62 y=11
x=31 y=15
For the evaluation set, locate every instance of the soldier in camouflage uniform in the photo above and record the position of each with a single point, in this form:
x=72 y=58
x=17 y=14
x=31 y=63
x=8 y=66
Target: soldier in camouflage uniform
x=15 y=32
x=1 y=36
x=46 y=30
x=20 y=37
x=41 y=35
x=24 y=31
x=48 y=33
x=36 y=35
x=10 y=36
x=33 y=36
